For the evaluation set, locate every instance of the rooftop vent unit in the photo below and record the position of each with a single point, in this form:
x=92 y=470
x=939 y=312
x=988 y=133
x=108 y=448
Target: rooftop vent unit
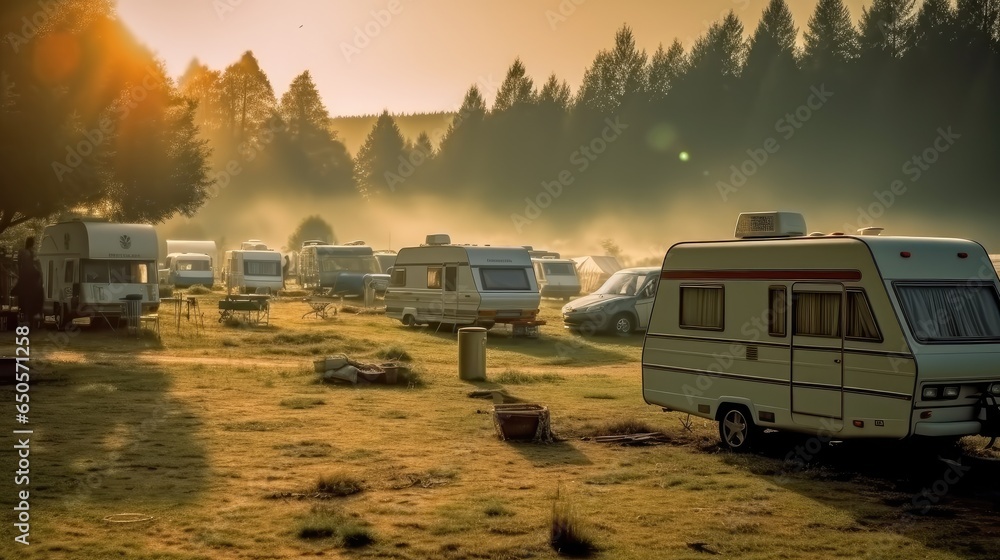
x=762 y=225
x=310 y=242
x=870 y=231
x=438 y=239
x=253 y=245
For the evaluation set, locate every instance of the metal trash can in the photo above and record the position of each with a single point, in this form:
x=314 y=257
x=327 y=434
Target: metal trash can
x=472 y=353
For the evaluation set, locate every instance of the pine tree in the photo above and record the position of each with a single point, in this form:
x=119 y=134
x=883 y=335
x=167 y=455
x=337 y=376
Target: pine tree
x=516 y=89
x=886 y=28
x=379 y=159
x=554 y=93
x=772 y=46
x=203 y=86
x=831 y=40
x=721 y=51
x=302 y=110
x=615 y=76
x=665 y=68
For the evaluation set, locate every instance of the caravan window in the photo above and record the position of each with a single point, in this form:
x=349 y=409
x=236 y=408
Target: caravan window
x=398 y=279
x=95 y=272
x=504 y=279
x=860 y=321
x=195 y=266
x=558 y=269
x=702 y=307
x=68 y=278
x=776 y=316
x=817 y=313
x=434 y=277
x=262 y=268
x=960 y=312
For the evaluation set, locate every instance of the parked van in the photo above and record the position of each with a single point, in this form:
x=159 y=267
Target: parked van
x=438 y=282
x=842 y=336
x=89 y=267
x=183 y=270
x=252 y=270
x=556 y=277
x=341 y=268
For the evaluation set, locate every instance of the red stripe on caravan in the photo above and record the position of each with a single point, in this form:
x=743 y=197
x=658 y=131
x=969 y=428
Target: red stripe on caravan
x=775 y=275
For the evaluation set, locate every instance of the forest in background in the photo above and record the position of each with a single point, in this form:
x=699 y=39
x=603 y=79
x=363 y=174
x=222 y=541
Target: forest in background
x=890 y=119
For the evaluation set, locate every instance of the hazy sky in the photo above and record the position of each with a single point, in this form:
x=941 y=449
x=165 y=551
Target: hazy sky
x=419 y=55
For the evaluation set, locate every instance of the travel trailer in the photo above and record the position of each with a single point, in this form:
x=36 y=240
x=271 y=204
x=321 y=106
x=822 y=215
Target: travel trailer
x=442 y=283
x=840 y=336
x=386 y=258
x=341 y=268
x=252 y=270
x=556 y=277
x=194 y=246
x=254 y=245
x=89 y=268
x=183 y=270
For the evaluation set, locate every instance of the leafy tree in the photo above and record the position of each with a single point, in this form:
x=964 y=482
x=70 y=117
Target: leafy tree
x=378 y=161
x=665 y=68
x=247 y=98
x=107 y=132
x=204 y=86
x=886 y=28
x=312 y=227
x=831 y=41
x=516 y=89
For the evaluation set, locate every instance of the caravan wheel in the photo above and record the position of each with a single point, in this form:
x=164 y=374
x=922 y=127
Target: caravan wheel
x=409 y=321
x=736 y=429
x=61 y=317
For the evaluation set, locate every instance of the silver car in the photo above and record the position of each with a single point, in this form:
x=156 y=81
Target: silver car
x=622 y=305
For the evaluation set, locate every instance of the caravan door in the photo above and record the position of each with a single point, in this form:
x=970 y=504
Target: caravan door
x=817 y=354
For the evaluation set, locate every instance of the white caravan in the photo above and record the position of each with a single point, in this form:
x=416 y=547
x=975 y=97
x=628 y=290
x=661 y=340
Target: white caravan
x=441 y=283
x=250 y=271
x=89 y=267
x=842 y=336
x=183 y=270
x=557 y=278
x=194 y=246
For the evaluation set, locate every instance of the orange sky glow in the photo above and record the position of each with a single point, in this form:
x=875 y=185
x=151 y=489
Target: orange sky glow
x=408 y=56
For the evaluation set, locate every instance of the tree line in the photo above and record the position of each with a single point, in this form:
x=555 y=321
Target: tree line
x=857 y=108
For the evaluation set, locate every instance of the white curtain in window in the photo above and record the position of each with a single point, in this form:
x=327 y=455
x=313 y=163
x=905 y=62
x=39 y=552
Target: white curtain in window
x=951 y=312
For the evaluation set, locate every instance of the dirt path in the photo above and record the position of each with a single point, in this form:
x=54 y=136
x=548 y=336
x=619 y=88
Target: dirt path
x=69 y=356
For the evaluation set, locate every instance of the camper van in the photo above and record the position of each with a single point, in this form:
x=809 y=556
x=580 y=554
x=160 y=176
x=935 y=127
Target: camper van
x=252 y=270
x=441 y=283
x=194 y=246
x=183 y=270
x=556 y=277
x=839 y=336
x=90 y=267
x=386 y=258
x=341 y=268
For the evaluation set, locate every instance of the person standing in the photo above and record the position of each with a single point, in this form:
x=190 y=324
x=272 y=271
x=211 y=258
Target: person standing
x=285 y=268
x=29 y=291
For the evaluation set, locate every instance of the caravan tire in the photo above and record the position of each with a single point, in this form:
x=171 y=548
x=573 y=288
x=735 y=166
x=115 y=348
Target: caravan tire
x=409 y=321
x=61 y=317
x=736 y=430
x=622 y=324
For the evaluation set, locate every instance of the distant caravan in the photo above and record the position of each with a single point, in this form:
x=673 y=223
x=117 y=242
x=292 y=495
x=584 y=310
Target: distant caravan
x=441 y=283
x=844 y=336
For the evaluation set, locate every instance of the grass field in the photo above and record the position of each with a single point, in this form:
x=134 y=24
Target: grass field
x=227 y=446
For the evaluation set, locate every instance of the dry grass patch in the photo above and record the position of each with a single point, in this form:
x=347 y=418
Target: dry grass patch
x=301 y=403
x=517 y=377
x=324 y=523
x=395 y=353
x=566 y=535
x=338 y=484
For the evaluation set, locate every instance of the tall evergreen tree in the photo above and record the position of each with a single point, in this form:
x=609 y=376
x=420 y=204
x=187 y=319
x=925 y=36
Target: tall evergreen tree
x=378 y=161
x=516 y=89
x=978 y=24
x=933 y=29
x=886 y=28
x=302 y=110
x=615 y=76
x=772 y=46
x=665 y=69
x=721 y=51
x=831 y=41
x=555 y=93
